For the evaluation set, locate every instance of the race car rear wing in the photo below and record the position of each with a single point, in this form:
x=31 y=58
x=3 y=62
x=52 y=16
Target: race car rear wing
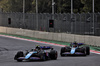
x=79 y=44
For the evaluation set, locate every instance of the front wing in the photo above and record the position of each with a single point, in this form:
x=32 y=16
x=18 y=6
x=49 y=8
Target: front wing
x=31 y=58
x=76 y=54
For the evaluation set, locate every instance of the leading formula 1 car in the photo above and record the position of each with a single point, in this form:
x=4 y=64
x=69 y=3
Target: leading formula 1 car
x=39 y=53
x=75 y=49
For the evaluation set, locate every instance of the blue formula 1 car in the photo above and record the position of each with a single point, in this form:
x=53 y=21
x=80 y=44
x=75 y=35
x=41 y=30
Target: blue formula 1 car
x=39 y=53
x=75 y=49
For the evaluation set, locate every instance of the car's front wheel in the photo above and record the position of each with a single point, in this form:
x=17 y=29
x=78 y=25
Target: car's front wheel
x=19 y=54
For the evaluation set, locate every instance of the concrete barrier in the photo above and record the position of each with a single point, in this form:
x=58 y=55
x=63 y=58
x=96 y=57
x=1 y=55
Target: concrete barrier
x=50 y=36
x=15 y=31
x=64 y=37
x=97 y=41
x=37 y=35
x=3 y=29
x=43 y=35
x=29 y=33
x=90 y=40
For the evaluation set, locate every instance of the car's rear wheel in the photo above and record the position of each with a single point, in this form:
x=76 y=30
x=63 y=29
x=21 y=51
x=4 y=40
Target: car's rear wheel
x=87 y=50
x=53 y=54
x=62 y=51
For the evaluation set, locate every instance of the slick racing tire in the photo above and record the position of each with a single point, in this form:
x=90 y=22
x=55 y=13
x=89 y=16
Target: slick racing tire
x=53 y=54
x=62 y=51
x=19 y=54
x=87 y=50
x=19 y=60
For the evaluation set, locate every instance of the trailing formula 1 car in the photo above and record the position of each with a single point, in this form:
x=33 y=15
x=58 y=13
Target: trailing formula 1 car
x=39 y=53
x=75 y=49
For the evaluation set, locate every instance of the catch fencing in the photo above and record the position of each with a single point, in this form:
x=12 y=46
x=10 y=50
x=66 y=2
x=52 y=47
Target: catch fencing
x=82 y=24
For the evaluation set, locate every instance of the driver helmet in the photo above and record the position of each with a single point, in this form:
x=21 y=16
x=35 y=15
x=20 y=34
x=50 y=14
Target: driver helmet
x=75 y=44
x=37 y=47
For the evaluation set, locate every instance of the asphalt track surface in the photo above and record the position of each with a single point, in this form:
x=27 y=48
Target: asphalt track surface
x=10 y=46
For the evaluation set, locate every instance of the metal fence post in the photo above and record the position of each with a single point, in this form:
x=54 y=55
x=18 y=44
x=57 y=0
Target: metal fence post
x=93 y=18
x=37 y=13
x=23 y=12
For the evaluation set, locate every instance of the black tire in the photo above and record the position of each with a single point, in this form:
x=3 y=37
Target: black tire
x=19 y=60
x=62 y=51
x=15 y=58
x=19 y=54
x=53 y=54
x=87 y=50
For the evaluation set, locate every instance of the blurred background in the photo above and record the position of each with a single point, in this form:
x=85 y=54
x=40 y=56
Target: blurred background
x=61 y=16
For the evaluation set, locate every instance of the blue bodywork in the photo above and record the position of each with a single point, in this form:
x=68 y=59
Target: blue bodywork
x=45 y=47
x=72 y=50
x=29 y=54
